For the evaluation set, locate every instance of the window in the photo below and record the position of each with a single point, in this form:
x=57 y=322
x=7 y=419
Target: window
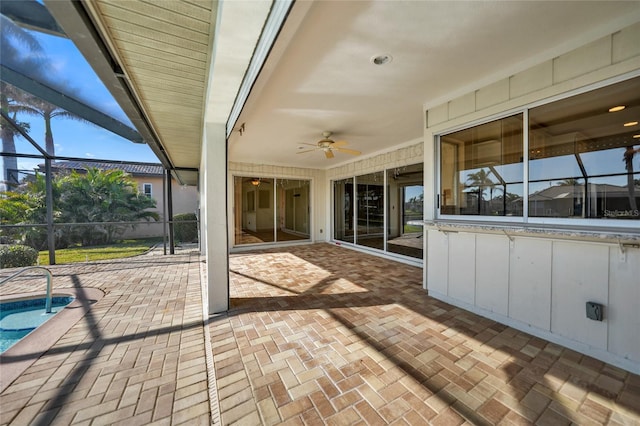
x=583 y=160
x=482 y=169
x=146 y=189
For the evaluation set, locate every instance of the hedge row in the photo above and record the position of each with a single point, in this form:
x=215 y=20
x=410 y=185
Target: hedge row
x=15 y=256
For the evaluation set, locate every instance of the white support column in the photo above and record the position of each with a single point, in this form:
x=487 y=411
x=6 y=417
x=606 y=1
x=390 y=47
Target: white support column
x=214 y=216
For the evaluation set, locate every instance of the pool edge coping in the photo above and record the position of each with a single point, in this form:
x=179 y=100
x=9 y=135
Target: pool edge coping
x=15 y=360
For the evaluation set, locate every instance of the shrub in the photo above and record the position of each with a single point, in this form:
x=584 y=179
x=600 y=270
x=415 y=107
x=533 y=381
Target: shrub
x=15 y=256
x=186 y=232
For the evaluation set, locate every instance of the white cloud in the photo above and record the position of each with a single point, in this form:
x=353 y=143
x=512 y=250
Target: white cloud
x=90 y=155
x=28 y=165
x=58 y=65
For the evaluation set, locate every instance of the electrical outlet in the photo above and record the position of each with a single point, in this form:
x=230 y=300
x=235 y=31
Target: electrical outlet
x=595 y=311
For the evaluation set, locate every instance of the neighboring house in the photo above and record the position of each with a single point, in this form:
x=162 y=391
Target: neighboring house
x=149 y=180
x=599 y=200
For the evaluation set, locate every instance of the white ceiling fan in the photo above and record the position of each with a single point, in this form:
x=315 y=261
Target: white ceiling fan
x=328 y=146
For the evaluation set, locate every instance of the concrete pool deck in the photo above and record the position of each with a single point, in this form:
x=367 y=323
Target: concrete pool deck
x=317 y=334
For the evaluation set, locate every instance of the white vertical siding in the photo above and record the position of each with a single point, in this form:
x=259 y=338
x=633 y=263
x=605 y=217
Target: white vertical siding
x=542 y=285
x=462 y=267
x=580 y=275
x=530 y=282
x=438 y=260
x=624 y=294
x=492 y=278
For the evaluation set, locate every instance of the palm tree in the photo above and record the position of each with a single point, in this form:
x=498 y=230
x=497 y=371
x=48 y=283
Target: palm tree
x=14 y=41
x=569 y=182
x=107 y=196
x=48 y=111
x=8 y=133
x=628 y=155
x=479 y=181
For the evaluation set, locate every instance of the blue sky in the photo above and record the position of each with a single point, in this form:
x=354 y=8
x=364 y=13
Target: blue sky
x=74 y=138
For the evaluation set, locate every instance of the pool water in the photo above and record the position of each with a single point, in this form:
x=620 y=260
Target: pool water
x=19 y=318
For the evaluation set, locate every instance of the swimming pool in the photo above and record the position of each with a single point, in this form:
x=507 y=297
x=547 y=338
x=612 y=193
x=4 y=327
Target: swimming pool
x=21 y=317
x=21 y=355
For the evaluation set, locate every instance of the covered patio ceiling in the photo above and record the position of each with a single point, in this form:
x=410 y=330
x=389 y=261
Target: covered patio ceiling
x=183 y=62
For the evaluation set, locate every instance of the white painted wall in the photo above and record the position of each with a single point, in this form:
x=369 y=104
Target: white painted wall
x=540 y=284
x=214 y=243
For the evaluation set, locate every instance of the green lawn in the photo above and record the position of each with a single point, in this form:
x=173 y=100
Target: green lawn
x=125 y=248
x=409 y=229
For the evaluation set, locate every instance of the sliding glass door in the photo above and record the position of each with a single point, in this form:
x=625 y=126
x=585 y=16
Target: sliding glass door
x=370 y=199
x=405 y=211
x=268 y=210
x=343 y=210
x=292 y=202
x=367 y=215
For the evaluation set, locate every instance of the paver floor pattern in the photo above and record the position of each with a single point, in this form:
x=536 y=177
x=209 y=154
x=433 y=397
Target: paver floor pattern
x=137 y=357
x=316 y=334
x=322 y=335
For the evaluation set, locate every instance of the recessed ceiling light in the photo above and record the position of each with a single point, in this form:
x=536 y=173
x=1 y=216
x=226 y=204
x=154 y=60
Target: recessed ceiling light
x=636 y=136
x=382 y=59
x=630 y=123
x=617 y=108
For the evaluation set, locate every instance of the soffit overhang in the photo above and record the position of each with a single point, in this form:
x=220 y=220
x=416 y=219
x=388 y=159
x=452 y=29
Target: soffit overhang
x=163 y=51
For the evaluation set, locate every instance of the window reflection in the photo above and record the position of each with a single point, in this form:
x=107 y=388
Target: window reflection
x=370 y=213
x=482 y=169
x=343 y=210
x=405 y=205
x=271 y=210
x=292 y=209
x=362 y=208
x=584 y=161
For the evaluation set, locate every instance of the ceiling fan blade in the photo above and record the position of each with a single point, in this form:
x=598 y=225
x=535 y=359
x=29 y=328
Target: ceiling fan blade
x=310 y=144
x=305 y=151
x=328 y=153
x=337 y=144
x=348 y=151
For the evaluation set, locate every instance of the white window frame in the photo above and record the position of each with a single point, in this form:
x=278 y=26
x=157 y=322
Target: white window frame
x=581 y=223
x=144 y=189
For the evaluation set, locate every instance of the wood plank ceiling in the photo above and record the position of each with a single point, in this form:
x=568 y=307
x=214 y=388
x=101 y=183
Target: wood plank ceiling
x=165 y=50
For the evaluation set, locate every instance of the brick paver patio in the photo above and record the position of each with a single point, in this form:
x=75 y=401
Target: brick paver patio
x=137 y=357
x=317 y=334
x=320 y=334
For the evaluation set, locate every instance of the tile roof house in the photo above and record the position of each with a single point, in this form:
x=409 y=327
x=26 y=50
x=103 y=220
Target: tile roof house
x=149 y=179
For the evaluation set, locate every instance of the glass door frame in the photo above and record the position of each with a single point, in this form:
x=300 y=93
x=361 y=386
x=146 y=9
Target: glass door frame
x=233 y=213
